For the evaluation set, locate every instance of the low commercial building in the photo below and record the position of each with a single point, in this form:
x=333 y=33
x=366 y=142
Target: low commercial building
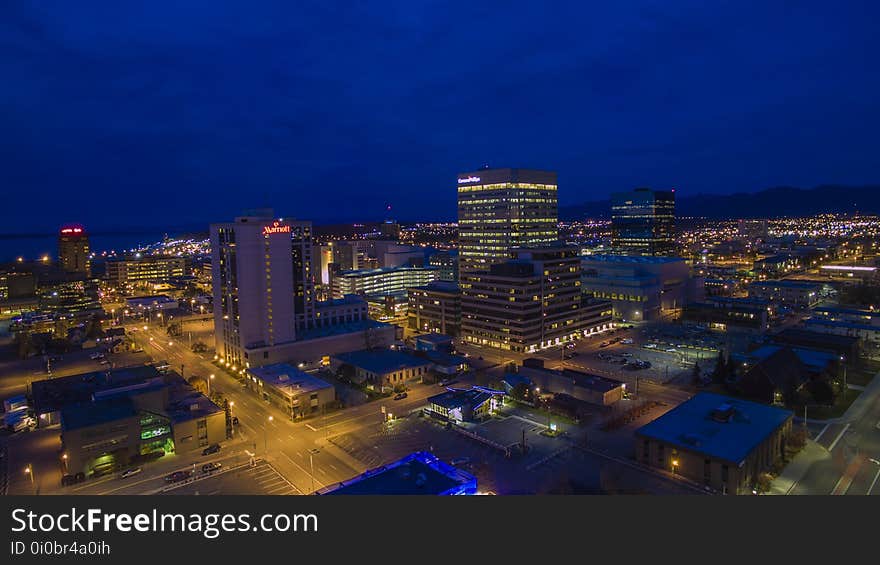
x=382 y=368
x=640 y=287
x=420 y=473
x=464 y=405
x=866 y=332
x=719 y=441
x=435 y=308
x=586 y=387
x=113 y=419
x=157 y=302
x=296 y=393
x=434 y=342
x=731 y=314
x=789 y=293
x=846 y=346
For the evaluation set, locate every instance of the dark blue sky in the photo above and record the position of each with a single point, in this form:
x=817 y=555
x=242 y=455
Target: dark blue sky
x=117 y=113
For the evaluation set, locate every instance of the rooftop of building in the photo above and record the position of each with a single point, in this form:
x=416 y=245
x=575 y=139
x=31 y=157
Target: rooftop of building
x=342 y=329
x=88 y=414
x=810 y=357
x=419 y=473
x=821 y=340
x=439 y=286
x=381 y=361
x=848 y=311
x=385 y=270
x=445 y=359
x=457 y=397
x=804 y=285
x=352 y=299
x=636 y=259
x=288 y=379
x=580 y=379
x=435 y=338
x=718 y=426
x=152 y=299
x=50 y=395
x=848 y=324
x=186 y=403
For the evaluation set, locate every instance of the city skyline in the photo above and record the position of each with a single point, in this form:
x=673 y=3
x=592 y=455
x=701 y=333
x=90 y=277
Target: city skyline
x=312 y=109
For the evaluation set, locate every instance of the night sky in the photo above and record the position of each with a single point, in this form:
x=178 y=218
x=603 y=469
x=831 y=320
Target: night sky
x=131 y=113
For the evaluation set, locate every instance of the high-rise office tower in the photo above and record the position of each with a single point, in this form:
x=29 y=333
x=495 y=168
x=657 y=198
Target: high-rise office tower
x=73 y=250
x=503 y=208
x=527 y=303
x=253 y=284
x=643 y=222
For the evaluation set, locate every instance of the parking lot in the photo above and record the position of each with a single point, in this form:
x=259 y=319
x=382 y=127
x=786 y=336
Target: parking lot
x=260 y=479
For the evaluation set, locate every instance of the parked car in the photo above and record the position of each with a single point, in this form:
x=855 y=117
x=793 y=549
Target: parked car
x=400 y=396
x=604 y=344
x=211 y=467
x=177 y=476
x=650 y=346
x=460 y=461
x=96 y=356
x=130 y=472
x=68 y=480
x=627 y=341
x=213 y=448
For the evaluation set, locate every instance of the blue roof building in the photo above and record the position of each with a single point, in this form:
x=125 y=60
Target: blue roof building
x=720 y=441
x=419 y=473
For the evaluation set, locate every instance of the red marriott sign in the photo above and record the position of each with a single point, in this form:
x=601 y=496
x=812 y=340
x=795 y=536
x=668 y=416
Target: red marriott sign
x=276 y=227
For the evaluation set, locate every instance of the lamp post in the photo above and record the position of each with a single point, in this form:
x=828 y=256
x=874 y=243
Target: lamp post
x=29 y=470
x=266 y=435
x=312 y=469
x=64 y=460
x=210 y=378
x=231 y=417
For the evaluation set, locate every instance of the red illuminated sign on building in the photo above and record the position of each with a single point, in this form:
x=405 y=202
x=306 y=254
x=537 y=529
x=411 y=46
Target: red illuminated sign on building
x=71 y=230
x=276 y=227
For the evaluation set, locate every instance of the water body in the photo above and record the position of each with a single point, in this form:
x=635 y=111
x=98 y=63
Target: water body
x=34 y=246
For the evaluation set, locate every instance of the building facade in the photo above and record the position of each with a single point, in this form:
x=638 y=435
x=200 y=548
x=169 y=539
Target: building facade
x=643 y=222
x=503 y=208
x=73 y=250
x=435 y=308
x=382 y=281
x=140 y=270
x=527 y=303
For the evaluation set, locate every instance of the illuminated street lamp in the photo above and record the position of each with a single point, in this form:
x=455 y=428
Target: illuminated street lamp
x=675 y=466
x=29 y=470
x=266 y=435
x=64 y=459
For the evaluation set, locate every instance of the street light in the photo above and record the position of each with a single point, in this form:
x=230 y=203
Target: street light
x=266 y=435
x=64 y=458
x=312 y=467
x=29 y=470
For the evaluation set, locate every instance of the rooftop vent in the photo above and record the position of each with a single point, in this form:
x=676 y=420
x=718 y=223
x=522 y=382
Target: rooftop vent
x=723 y=413
x=283 y=378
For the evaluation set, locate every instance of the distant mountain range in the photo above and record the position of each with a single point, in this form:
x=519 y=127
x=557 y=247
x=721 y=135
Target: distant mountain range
x=769 y=203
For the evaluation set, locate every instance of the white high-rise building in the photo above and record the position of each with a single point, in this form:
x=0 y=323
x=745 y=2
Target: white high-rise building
x=253 y=285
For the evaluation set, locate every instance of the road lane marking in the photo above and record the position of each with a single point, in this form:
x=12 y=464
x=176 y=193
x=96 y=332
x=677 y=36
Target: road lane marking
x=874 y=482
x=821 y=432
x=840 y=435
x=309 y=426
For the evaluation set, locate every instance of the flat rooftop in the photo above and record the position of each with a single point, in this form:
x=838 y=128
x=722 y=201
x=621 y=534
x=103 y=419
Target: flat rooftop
x=637 y=259
x=50 y=395
x=419 y=473
x=455 y=398
x=88 y=414
x=288 y=379
x=692 y=426
x=381 y=361
x=803 y=285
x=341 y=329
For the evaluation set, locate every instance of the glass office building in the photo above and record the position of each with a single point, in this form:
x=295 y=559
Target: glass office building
x=643 y=222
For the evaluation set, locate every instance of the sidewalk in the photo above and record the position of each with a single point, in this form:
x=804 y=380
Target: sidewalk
x=798 y=467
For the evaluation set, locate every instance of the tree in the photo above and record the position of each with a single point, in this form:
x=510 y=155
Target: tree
x=198 y=383
x=722 y=369
x=199 y=347
x=173 y=329
x=520 y=391
x=695 y=374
